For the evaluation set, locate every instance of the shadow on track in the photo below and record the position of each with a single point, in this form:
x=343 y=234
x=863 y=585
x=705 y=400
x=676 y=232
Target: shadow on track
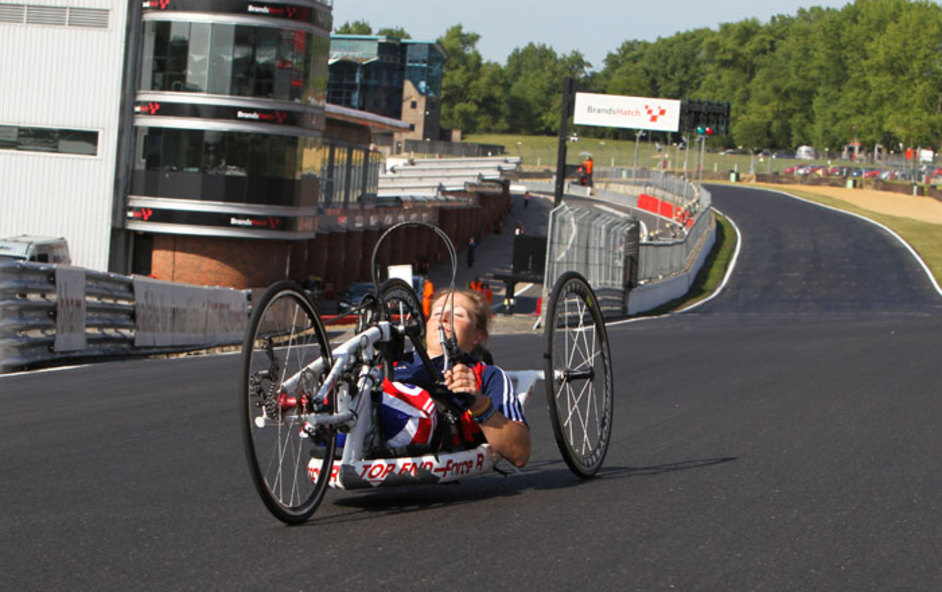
x=543 y=475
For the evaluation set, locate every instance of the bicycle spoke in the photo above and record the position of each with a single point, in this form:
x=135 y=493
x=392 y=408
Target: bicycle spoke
x=580 y=395
x=285 y=338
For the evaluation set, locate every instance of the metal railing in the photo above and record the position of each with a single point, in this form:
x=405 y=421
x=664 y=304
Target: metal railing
x=50 y=313
x=663 y=259
x=602 y=246
x=610 y=247
x=627 y=184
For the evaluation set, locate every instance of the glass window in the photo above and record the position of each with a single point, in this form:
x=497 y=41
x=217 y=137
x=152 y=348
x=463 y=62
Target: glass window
x=237 y=167
x=220 y=62
x=78 y=142
x=38 y=139
x=243 y=61
x=214 y=153
x=237 y=154
x=234 y=60
x=197 y=68
x=265 y=53
x=258 y=156
x=176 y=58
x=8 y=135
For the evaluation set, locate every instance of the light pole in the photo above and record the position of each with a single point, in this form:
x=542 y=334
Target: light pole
x=686 y=154
x=702 y=151
x=638 y=135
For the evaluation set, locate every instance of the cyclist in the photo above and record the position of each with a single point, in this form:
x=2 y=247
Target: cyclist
x=495 y=410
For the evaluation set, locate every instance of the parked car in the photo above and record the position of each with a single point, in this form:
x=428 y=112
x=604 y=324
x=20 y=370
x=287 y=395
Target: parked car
x=840 y=171
x=37 y=249
x=351 y=297
x=805 y=153
x=808 y=169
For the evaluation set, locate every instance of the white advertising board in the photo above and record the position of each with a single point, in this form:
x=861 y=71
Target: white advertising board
x=640 y=113
x=170 y=314
x=403 y=272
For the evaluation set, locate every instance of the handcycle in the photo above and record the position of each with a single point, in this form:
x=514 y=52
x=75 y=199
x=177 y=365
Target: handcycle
x=299 y=392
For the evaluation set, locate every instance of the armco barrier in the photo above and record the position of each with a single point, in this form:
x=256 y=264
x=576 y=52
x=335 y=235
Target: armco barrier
x=50 y=313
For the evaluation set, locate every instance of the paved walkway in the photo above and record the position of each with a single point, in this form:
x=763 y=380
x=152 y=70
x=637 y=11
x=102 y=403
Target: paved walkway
x=494 y=253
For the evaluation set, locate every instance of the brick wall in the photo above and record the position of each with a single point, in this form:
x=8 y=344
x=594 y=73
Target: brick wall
x=339 y=257
x=235 y=263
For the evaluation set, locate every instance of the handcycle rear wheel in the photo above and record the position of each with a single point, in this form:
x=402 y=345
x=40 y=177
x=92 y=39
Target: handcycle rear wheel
x=578 y=374
x=285 y=334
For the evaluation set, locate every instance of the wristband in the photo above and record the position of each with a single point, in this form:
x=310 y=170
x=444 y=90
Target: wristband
x=487 y=407
x=486 y=414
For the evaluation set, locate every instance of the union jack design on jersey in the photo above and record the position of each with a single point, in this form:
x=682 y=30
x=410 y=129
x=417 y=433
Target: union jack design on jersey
x=408 y=415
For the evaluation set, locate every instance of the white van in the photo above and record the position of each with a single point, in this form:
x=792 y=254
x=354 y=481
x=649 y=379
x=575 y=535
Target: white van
x=37 y=249
x=804 y=153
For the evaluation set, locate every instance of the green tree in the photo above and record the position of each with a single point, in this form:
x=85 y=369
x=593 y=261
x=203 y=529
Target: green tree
x=472 y=90
x=536 y=73
x=904 y=77
x=357 y=27
x=394 y=32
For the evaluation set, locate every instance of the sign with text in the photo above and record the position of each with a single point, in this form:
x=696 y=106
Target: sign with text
x=662 y=115
x=171 y=314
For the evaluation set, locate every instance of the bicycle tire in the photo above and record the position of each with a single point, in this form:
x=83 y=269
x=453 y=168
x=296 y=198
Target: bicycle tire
x=400 y=304
x=290 y=466
x=578 y=374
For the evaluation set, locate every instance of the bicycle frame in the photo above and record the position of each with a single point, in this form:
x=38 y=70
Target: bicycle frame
x=293 y=404
x=354 y=413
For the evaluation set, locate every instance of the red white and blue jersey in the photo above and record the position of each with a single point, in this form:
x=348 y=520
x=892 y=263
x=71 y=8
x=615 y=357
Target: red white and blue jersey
x=408 y=415
x=492 y=382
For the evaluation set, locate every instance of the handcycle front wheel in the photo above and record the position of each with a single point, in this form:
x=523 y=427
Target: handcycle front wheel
x=578 y=374
x=400 y=305
x=290 y=462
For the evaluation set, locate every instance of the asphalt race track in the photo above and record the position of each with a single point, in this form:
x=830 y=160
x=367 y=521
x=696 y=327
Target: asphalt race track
x=784 y=436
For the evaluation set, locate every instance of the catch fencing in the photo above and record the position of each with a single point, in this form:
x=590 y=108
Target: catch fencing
x=602 y=246
x=617 y=251
x=55 y=312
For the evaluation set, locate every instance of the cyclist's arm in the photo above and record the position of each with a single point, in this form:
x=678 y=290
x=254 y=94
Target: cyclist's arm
x=509 y=438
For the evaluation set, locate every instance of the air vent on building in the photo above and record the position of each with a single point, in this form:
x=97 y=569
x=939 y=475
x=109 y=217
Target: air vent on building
x=46 y=15
x=12 y=13
x=88 y=17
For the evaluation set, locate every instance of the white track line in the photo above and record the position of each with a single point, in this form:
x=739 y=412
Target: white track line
x=888 y=230
x=717 y=292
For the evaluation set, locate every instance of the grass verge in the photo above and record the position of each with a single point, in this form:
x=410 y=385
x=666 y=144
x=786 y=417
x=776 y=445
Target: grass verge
x=711 y=275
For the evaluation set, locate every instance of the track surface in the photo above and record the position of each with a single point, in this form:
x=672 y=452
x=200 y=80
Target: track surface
x=785 y=436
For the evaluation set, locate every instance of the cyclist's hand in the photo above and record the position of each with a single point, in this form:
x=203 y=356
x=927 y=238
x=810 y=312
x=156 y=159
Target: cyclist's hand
x=461 y=379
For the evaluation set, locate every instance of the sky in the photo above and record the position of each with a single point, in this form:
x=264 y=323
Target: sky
x=595 y=27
